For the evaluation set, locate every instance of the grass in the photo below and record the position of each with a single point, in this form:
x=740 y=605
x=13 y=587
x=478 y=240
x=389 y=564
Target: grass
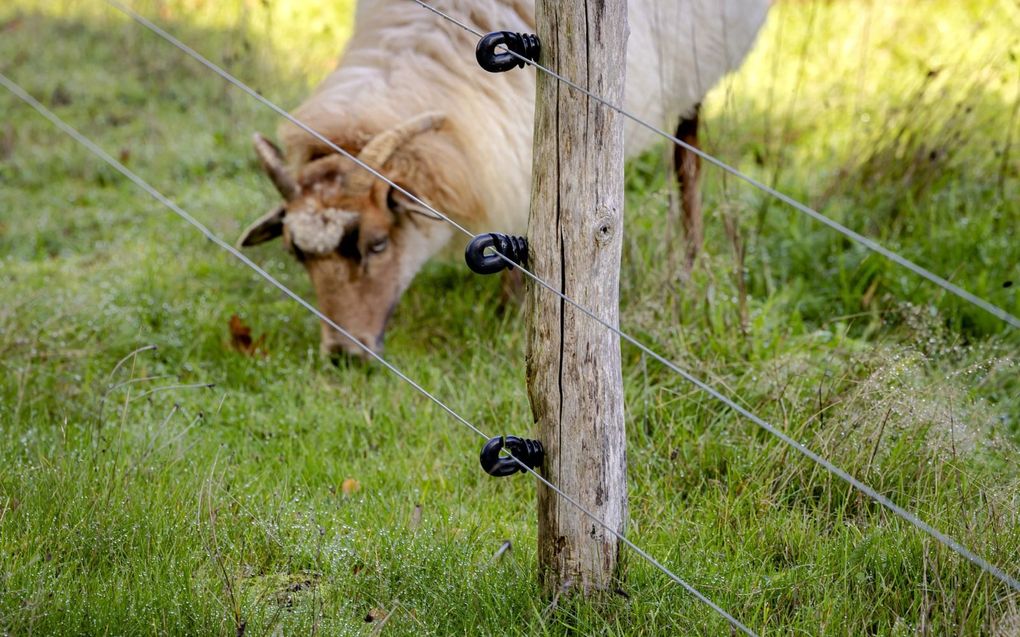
x=295 y=498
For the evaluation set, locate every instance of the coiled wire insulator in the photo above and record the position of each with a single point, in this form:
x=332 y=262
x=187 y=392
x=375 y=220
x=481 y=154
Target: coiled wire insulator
x=512 y=247
x=529 y=452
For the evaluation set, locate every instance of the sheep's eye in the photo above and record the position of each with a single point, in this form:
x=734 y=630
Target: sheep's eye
x=379 y=246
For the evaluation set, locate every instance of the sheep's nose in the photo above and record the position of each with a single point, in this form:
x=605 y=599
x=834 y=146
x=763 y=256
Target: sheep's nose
x=344 y=360
x=344 y=352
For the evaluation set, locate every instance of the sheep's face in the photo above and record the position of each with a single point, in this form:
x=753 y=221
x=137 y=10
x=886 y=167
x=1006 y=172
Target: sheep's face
x=360 y=240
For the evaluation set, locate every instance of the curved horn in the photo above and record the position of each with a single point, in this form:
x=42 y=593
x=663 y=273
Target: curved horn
x=381 y=147
x=272 y=161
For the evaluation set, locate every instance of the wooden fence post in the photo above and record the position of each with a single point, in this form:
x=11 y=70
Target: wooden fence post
x=575 y=237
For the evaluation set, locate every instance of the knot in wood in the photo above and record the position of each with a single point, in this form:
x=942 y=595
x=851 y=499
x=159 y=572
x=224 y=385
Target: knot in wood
x=605 y=224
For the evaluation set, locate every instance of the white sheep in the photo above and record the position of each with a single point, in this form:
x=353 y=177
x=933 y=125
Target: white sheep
x=409 y=99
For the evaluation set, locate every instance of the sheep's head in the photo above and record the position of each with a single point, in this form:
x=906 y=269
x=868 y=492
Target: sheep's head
x=361 y=240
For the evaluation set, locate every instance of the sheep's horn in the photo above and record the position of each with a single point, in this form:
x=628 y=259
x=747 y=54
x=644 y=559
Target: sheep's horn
x=272 y=161
x=381 y=147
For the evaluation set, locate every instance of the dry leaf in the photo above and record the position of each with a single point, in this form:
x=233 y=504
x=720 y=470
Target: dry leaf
x=241 y=340
x=349 y=486
x=11 y=25
x=382 y=616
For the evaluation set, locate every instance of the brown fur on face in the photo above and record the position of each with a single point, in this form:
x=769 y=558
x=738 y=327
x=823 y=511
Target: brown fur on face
x=360 y=247
x=356 y=279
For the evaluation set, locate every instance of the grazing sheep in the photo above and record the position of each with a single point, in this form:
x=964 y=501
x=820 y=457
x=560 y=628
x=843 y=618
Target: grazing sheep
x=409 y=99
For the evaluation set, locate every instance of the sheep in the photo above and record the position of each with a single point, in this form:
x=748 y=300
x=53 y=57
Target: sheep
x=408 y=99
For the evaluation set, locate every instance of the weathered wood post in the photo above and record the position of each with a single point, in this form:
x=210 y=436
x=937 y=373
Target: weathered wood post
x=575 y=237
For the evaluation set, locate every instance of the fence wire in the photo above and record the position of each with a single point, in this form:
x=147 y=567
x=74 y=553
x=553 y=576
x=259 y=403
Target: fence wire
x=96 y=150
x=900 y=512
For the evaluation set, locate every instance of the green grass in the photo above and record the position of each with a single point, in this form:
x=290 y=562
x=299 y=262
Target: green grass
x=198 y=511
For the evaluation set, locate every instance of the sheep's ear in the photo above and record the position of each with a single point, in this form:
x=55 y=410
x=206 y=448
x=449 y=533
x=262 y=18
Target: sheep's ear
x=268 y=226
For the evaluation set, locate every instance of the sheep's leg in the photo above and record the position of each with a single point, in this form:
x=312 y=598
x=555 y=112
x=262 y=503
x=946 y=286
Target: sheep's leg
x=688 y=176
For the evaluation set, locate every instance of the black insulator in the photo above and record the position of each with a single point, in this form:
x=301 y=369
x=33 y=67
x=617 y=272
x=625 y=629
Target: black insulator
x=529 y=452
x=513 y=248
x=525 y=45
